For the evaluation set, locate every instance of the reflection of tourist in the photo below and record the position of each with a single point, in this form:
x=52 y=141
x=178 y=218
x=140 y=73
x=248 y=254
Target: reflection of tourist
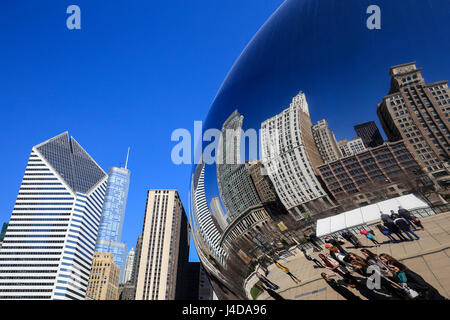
x=311 y=258
x=405 y=214
x=266 y=281
x=271 y=293
x=369 y=236
x=413 y=280
x=313 y=239
x=388 y=222
x=344 y=292
x=403 y=225
x=286 y=270
x=334 y=266
x=336 y=243
x=386 y=232
x=350 y=237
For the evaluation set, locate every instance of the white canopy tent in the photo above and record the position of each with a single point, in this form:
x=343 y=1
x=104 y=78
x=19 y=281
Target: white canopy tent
x=366 y=214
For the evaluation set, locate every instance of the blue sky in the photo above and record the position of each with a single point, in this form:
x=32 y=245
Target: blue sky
x=137 y=70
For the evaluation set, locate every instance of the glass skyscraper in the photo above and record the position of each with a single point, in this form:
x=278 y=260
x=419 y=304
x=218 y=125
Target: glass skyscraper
x=113 y=213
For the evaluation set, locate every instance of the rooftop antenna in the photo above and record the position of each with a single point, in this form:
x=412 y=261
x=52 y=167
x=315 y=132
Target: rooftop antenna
x=126 y=162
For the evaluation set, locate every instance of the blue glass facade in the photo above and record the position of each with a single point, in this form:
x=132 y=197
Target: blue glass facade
x=113 y=213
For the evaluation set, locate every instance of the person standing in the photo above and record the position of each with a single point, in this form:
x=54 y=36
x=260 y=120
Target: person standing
x=391 y=226
x=270 y=292
x=286 y=270
x=405 y=214
x=370 y=237
x=313 y=239
x=350 y=237
x=334 y=266
x=309 y=257
x=386 y=232
x=344 y=292
x=404 y=226
x=336 y=243
x=267 y=282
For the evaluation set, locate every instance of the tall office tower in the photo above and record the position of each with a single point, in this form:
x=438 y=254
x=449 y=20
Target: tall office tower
x=104 y=278
x=137 y=259
x=110 y=230
x=217 y=212
x=290 y=156
x=235 y=187
x=209 y=235
x=419 y=114
x=3 y=232
x=128 y=267
x=354 y=146
x=48 y=247
x=165 y=247
x=326 y=141
x=369 y=133
x=128 y=289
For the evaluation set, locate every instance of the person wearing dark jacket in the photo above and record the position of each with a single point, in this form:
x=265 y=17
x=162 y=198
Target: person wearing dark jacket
x=344 y=292
x=336 y=243
x=271 y=293
x=405 y=214
x=267 y=282
x=311 y=258
x=412 y=280
x=386 y=232
x=313 y=239
x=350 y=237
x=404 y=226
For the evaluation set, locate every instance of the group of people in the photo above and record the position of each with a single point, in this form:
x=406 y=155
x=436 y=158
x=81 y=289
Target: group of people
x=401 y=223
x=353 y=271
x=395 y=279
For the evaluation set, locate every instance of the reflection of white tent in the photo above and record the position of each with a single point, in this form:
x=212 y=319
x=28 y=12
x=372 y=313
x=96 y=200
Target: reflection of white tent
x=366 y=214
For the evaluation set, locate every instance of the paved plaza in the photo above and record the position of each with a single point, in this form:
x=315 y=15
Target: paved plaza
x=428 y=256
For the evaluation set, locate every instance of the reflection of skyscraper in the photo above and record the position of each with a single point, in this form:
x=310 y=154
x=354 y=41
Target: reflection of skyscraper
x=165 y=247
x=203 y=221
x=289 y=154
x=59 y=207
x=217 y=212
x=325 y=141
x=369 y=133
x=113 y=213
x=418 y=113
x=236 y=188
x=353 y=146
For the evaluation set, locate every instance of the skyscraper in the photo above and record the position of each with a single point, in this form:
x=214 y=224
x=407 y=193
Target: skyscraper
x=165 y=247
x=326 y=141
x=110 y=230
x=3 y=232
x=204 y=224
x=50 y=241
x=369 y=133
x=128 y=267
x=290 y=155
x=354 y=146
x=418 y=113
x=217 y=212
x=104 y=278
